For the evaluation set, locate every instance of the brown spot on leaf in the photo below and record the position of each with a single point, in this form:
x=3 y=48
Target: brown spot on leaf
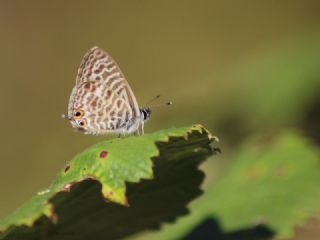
x=103 y=154
x=66 y=168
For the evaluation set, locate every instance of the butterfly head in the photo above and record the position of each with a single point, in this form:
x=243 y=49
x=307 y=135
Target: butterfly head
x=145 y=113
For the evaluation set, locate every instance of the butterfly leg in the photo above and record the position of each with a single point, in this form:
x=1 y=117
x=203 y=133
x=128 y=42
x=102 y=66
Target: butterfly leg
x=140 y=129
x=137 y=133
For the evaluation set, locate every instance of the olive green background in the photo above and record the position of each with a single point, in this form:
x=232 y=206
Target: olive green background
x=238 y=67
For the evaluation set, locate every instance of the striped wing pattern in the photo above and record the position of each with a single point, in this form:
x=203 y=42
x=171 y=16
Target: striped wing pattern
x=103 y=95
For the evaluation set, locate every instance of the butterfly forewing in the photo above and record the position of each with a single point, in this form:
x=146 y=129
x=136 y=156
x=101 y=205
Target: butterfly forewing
x=103 y=94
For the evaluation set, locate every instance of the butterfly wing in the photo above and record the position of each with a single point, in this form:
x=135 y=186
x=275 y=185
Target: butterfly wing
x=103 y=94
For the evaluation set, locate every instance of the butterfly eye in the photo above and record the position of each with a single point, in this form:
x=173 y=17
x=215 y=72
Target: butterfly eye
x=78 y=113
x=82 y=123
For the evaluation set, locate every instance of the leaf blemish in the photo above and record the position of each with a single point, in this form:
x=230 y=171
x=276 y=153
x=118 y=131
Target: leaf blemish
x=103 y=154
x=66 y=169
x=67 y=187
x=43 y=192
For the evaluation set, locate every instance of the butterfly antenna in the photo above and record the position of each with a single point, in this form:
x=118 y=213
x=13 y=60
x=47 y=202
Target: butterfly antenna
x=152 y=100
x=162 y=104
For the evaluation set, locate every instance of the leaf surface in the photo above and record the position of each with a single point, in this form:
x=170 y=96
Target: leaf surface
x=270 y=188
x=151 y=178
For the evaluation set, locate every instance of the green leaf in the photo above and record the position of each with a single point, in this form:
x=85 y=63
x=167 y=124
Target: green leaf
x=273 y=183
x=163 y=166
x=289 y=71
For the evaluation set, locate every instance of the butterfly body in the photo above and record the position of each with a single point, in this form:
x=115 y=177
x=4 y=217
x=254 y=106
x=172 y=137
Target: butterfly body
x=102 y=101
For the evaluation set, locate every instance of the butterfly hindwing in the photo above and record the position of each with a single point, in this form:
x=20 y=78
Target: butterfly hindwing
x=103 y=93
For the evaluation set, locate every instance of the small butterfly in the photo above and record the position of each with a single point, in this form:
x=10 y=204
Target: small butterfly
x=102 y=102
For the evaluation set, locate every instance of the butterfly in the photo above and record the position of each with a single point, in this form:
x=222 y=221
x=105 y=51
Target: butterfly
x=102 y=101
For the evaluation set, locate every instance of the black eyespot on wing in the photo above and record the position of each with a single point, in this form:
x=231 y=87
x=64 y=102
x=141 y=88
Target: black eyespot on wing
x=78 y=113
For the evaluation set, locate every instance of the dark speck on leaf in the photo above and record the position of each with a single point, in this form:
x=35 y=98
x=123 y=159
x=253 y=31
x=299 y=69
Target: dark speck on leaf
x=103 y=154
x=66 y=168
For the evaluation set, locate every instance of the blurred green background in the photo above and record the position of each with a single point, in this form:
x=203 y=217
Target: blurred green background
x=241 y=68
